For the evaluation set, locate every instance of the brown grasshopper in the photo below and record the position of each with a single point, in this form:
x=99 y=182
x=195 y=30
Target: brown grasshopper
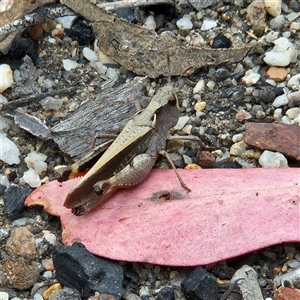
x=131 y=156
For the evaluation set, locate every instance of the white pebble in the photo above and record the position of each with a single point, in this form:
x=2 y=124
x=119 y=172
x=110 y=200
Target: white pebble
x=208 y=24
x=211 y=84
x=291 y=278
x=51 y=103
x=271 y=159
x=40 y=166
x=181 y=122
x=273 y=7
x=282 y=54
x=112 y=74
x=294 y=81
x=286 y=120
x=89 y=54
x=34 y=156
x=250 y=78
x=150 y=23
x=292 y=16
x=9 y=151
x=3 y=296
x=66 y=21
x=4 y=180
x=47 y=274
x=237 y=137
x=187 y=129
x=50 y=237
x=23 y=222
x=51 y=40
x=280 y=100
x=69 y=64
x=199 y=88
x=184 y=24
x=32 y=178
x=277 y=114
x=6 y=77
x=4 y=124
x=293 y=113
x=3 y=99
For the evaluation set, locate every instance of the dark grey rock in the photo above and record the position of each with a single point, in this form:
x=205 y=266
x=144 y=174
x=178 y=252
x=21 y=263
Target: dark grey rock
x=266 y=94
x=200 y=285
x=79 y=269
x=166 y=293
x=2 y=189
x=14 y=198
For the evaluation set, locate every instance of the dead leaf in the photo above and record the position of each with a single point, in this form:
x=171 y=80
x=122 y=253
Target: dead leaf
x=227 y=214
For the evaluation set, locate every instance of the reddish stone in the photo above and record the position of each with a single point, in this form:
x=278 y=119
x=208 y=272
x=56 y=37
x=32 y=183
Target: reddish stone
x=205 y=158
x=277 y=74
x=285 y=293
x=282 y=138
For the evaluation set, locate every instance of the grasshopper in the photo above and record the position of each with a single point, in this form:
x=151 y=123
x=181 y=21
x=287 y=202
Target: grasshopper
x=130 y=158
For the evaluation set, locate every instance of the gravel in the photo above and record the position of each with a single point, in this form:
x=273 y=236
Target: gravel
x=216 y=103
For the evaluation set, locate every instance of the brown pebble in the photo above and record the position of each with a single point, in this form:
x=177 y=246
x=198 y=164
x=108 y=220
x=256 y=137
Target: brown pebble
x=21 y=242
x=256 y=13
x=20 y=274
x=48 y=264
x=192 y=167
x=277 y=74
x=205 y=158
x=282 y=138
x=285 y=293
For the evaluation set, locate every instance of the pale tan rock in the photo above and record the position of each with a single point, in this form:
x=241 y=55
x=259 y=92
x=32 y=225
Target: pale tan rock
x=256 y=13
x=200 y=106
x=277 y=74
x=273 y=7
x=295 y=26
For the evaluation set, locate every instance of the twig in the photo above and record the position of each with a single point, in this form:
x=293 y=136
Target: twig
x=28 y=100
x=40 y=15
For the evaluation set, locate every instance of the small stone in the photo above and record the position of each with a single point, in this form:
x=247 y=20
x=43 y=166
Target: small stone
x=221 y=41
x=51 y=103
x=273 y=7
x=242 y=115
x=238 y=137
x=200 y=284
x=282 y=54
x=293 y=263
x=181 y=122
x=208 y=24
x=238 y=149
x=184 y=24
x=277 y=74
x=112 y=74
x=32 y=178
x=150 y=23
x=295 y=26
x=20 y=274
x=51 y=289
x=205 y=158
x=69 y=64
x=166 y=293
x=253 y=154
x=89 y=54
x=65 y=21
x=271 y=159
x=21 y=242
x=280 y=100
x=256 y=13
x=199 y=88
x=277 y=22
x=250 y=78
x=294 y=80
x=285 y=293
x=6 y=77
x=293 y=113
x=200 y=106
x=187 y=129
x=48 y=264
x=9 y=151
x=192 y=167
x=14 y=198
x=3 y=296
x=211 y=84
x=66 y=294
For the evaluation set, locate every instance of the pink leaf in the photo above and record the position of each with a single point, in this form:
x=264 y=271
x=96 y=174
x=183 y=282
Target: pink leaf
x=229 y=212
